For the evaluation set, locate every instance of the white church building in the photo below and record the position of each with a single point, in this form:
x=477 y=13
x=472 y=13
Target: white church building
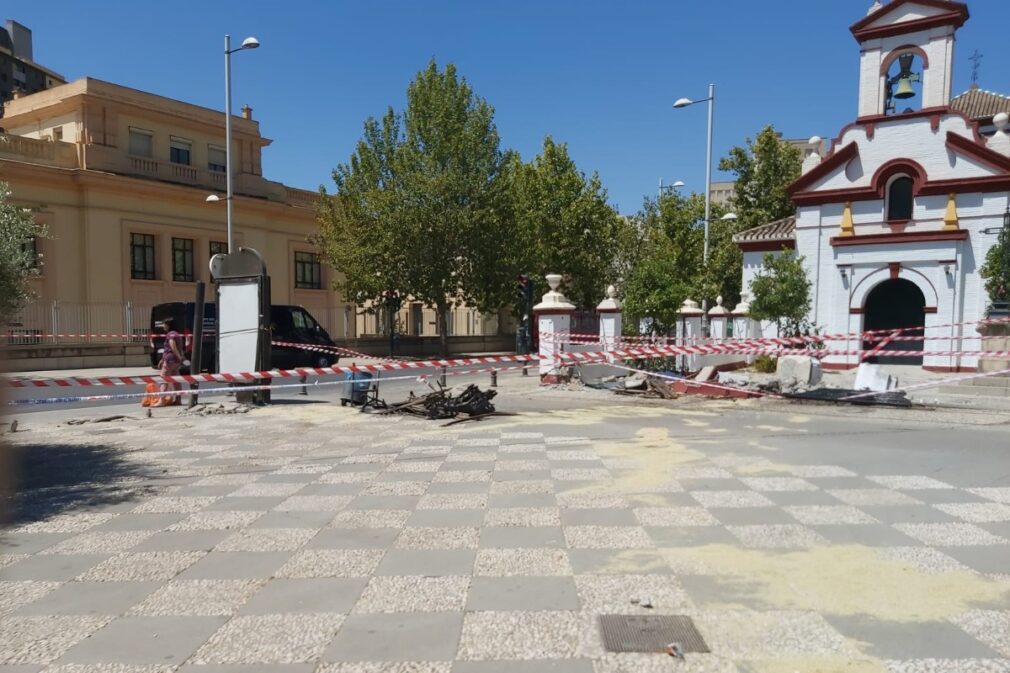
x=894 y=221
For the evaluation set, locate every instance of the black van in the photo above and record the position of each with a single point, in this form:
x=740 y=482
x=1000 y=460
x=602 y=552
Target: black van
x=288 y=323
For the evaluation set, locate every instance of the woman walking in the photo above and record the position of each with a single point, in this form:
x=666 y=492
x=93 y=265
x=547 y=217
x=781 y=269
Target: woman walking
x=171 y=362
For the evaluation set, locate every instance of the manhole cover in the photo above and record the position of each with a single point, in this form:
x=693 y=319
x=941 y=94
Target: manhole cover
x=651 y=633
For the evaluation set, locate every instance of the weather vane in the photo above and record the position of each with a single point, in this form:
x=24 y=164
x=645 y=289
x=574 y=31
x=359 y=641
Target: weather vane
x=976 y=60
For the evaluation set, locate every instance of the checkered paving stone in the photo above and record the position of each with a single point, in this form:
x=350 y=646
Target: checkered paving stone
x=475 y=551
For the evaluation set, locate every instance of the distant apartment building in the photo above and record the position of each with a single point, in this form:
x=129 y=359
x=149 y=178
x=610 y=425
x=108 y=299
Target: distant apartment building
x=19 y=73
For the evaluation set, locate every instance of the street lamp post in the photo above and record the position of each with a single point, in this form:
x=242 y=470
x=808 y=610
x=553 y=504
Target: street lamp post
x=685 y=102
x=248 y=43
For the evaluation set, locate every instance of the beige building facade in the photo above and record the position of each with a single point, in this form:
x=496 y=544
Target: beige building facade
x=120 y=177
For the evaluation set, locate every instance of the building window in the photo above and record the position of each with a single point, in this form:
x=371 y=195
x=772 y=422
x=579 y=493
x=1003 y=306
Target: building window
x=308 y=271
x=899 y=199
x=180 y=150
x=58 y=133
x=142 y=256
x=218 y=248
x=31 y=250
x=141 y=143
x=182 y=260
x=217 y=159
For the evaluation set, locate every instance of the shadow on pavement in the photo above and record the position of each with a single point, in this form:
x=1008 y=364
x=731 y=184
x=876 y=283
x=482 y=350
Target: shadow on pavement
x=48 y=479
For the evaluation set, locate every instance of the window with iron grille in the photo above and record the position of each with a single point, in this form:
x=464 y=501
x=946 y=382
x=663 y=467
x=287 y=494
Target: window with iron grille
x=308 y=271
x=31 y=249
x=218 y=248
x=142 y=256
x=182 y=260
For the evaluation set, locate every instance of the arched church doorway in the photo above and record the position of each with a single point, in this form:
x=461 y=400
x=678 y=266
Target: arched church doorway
x=894 y=304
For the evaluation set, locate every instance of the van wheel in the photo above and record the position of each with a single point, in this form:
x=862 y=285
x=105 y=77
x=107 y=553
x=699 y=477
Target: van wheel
x=323 y=361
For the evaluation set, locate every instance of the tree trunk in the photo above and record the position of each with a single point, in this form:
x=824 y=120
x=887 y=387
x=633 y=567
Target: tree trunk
x=441 y=316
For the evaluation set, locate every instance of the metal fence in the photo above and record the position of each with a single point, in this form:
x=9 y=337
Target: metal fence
x=60 y=322
x=418 y=320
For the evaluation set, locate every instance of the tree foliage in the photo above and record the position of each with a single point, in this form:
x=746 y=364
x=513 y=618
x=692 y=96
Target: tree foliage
x=421 y=206
x=670 y=267
x=781 y=292
x=17 y=261
x=764 y=169
x=564 y=224
x=996 y=269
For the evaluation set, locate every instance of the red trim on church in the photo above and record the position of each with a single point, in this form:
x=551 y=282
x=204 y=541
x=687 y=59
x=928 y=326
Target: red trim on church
x=991 y=183
x=835 y=160
x=993 y=159
x=907 y=237
x=904 y=49
x=766 y=246
x=930 y=309
x=954 y=14
x=895 y=269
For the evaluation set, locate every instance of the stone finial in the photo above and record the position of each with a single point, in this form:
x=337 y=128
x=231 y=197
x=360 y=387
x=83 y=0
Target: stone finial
x=611 y=304
x=950 y=215
x=690 y=309
x=1000 y=141
x=718 y=309
x=874 y=7
x=246 y=112
x=554 y=301
x=814 y=154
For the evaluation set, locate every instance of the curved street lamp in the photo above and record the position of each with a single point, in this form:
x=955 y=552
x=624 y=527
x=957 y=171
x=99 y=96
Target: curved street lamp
x=248 y=43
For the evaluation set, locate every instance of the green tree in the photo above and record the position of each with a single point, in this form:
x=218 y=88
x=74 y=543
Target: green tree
x=564 y=224
x=764 y=169
x=421 y=207
x=781 y=292
x=670 y=266
x=17 y=260
x=996 y=269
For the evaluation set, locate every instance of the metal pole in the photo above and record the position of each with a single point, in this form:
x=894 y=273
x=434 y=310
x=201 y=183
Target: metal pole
x=227 y=139
x=708 y=169
x=196 y=358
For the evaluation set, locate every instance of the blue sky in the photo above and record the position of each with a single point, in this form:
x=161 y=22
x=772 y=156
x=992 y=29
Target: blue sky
x=600 y=76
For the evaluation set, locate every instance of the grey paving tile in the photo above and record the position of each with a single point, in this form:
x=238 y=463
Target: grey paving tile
x=446 y=517
x=908 y=513
x=90 y=598
x=145 y=640
x=618 y=561
x=910 y=640
x=984 y=559
x=253 y=503
x=598 y=517
x=459 y=487
x=31 y=543
x=690 y=536
x=133 y=521
x=52 y=567
x=743 y=516
x=236 y=565
x=533 y=666
x=522 y=593
x=293 y=519
x=522 y=500
x=282 y=596
x=420 y=636
x=724 y=593
x=332 y=489
x=800 y=498
x=870 y=535
x=188 y=540
x=353 y=538
x=384 y=502
x=431 y=562
x=526 y=536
